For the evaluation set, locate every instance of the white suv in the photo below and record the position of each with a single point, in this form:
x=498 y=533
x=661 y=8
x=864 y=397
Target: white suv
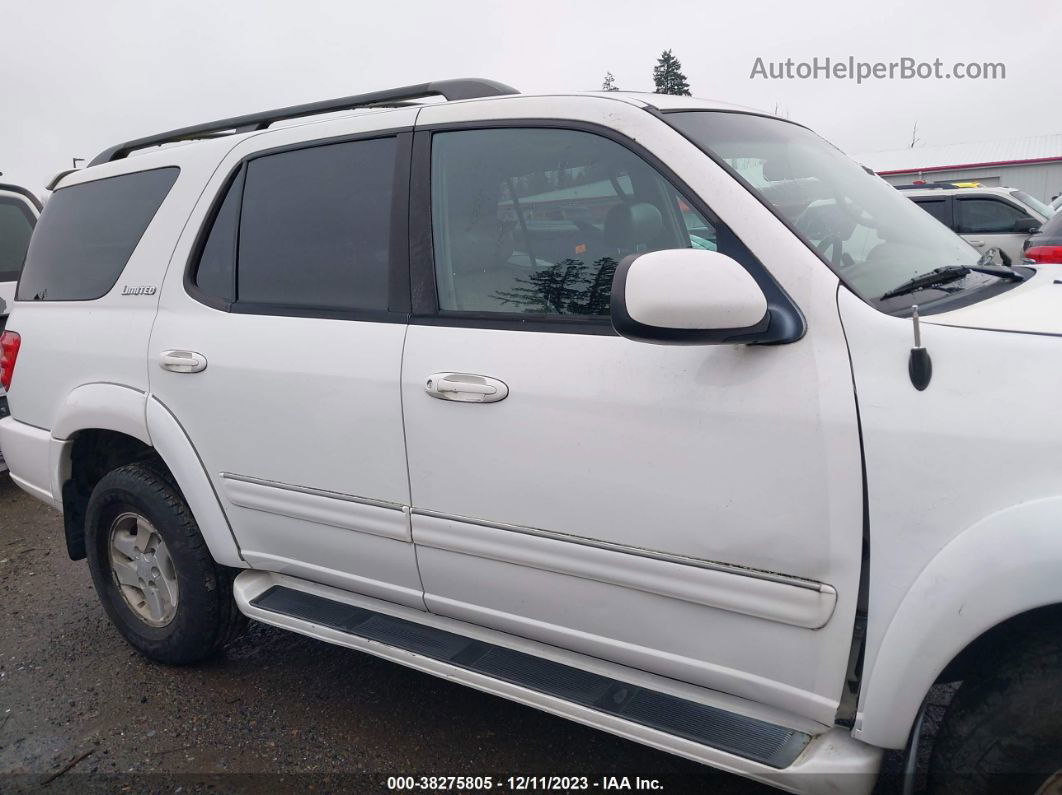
x=567 y=398
x=18 y=213
x=987 y=218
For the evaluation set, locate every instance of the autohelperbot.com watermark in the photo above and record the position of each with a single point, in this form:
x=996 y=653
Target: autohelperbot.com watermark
x=851 y=68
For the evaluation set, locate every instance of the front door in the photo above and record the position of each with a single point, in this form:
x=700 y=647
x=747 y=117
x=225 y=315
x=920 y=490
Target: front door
x=989 y=223
x=690 y=511
x=289 y=308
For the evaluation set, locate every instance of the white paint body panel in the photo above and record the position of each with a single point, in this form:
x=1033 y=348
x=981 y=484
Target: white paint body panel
x=26 y=450
x=963 y=492
x=686 y=451
x=300 y=403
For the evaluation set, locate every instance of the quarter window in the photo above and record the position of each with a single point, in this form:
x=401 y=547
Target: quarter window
x=535 y=221
x=87 y=233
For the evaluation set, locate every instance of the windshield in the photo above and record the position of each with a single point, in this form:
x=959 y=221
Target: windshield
x=869 y=233
x=1032 y=201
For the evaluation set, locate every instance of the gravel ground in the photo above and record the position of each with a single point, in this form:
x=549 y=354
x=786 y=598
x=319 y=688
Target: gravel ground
x=80 y=711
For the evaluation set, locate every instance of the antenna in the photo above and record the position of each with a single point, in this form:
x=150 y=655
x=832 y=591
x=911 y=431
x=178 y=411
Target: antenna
x=919 y=366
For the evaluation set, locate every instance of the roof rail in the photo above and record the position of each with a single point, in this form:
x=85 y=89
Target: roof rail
x=959 y=183
x=23 y=192
x=468 y=88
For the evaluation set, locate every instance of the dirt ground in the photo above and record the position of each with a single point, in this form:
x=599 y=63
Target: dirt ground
x=80 y=711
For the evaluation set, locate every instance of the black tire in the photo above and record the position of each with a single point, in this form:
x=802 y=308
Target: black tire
x=1002 y=733
x=205 y=617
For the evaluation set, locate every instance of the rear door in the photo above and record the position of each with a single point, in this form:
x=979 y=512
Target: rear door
x=693 y=511
x=289 y=294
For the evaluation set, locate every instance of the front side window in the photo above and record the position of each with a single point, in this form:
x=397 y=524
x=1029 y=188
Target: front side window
x=16 y=225
x=873 y=236
x=535 y=221
x=304 y=229
x=88 y=232
x=988 y=216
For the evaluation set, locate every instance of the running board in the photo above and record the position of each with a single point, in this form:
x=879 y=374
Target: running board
x=749 y=738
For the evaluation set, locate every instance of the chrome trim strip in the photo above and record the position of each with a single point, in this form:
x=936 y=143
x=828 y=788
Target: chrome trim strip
x=726 y=568
x=335 y=495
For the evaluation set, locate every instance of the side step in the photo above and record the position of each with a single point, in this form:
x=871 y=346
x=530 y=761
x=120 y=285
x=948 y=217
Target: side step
x=748 y=738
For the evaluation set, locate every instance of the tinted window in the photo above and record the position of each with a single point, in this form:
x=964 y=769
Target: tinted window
x=315 y=227
x=16 y=224
x=87 y=233
x=938 y=208
x=216 y=272
x=987 y=216
x=536 y=220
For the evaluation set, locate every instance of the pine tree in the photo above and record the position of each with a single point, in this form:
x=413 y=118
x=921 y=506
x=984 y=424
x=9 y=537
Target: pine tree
x=668 y=77
x=610 y=83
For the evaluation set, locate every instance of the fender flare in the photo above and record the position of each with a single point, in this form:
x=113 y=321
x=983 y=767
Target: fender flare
x=108 y=407
x=113 y=407
x=1004 y=565
x=176 y=449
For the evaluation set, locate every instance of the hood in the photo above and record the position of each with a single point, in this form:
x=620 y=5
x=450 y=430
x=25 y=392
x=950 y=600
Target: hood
x=1033 y=307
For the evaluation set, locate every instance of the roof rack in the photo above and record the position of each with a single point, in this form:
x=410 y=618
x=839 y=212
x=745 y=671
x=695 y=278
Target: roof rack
x=959 y=183
x=470 y=88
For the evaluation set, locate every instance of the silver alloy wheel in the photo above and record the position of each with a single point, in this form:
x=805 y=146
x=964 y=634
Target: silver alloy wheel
x=1053 y=785
x=143 y=569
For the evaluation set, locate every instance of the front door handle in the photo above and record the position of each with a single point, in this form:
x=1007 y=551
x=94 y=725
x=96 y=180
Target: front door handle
x=977 y=243
x=182 y=361
x=466 y=388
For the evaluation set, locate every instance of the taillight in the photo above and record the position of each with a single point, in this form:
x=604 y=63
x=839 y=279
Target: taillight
x=10 y=342
x=1044 y=254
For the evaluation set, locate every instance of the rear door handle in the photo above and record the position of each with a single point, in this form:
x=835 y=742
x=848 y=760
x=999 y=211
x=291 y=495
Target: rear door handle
x=182 y=361
x=466 y=388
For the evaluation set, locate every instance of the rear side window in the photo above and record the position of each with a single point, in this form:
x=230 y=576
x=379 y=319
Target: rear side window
x=305 y=229
x=16 y=224
x=87 y=233
x=938 y=208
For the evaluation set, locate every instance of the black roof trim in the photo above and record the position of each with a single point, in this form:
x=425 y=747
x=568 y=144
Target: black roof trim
x=465 y=88
x=23 y=192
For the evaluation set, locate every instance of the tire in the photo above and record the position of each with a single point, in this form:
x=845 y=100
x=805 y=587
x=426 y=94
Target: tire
x=176 y=605
x=1002 y=733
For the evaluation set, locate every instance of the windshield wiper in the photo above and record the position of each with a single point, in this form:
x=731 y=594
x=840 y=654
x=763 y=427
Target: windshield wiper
x=949 y=273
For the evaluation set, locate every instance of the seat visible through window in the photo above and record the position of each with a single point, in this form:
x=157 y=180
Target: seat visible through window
x=536 y=220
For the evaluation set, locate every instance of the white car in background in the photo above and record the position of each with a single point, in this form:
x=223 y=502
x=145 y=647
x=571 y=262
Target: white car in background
x=18 y=215
x=987 y=218
x=1056 y=203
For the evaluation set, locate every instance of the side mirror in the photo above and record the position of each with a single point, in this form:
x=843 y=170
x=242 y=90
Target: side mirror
x=1026 y=226
x=691 y=297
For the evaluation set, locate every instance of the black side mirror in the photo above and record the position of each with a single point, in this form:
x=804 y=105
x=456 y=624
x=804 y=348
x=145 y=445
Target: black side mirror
x=1026 y=226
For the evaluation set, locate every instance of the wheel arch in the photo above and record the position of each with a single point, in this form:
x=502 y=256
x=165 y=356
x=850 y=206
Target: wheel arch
x=997 y=578
x=102 y=426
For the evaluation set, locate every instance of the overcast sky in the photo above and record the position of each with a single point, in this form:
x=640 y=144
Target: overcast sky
x=76 y=77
